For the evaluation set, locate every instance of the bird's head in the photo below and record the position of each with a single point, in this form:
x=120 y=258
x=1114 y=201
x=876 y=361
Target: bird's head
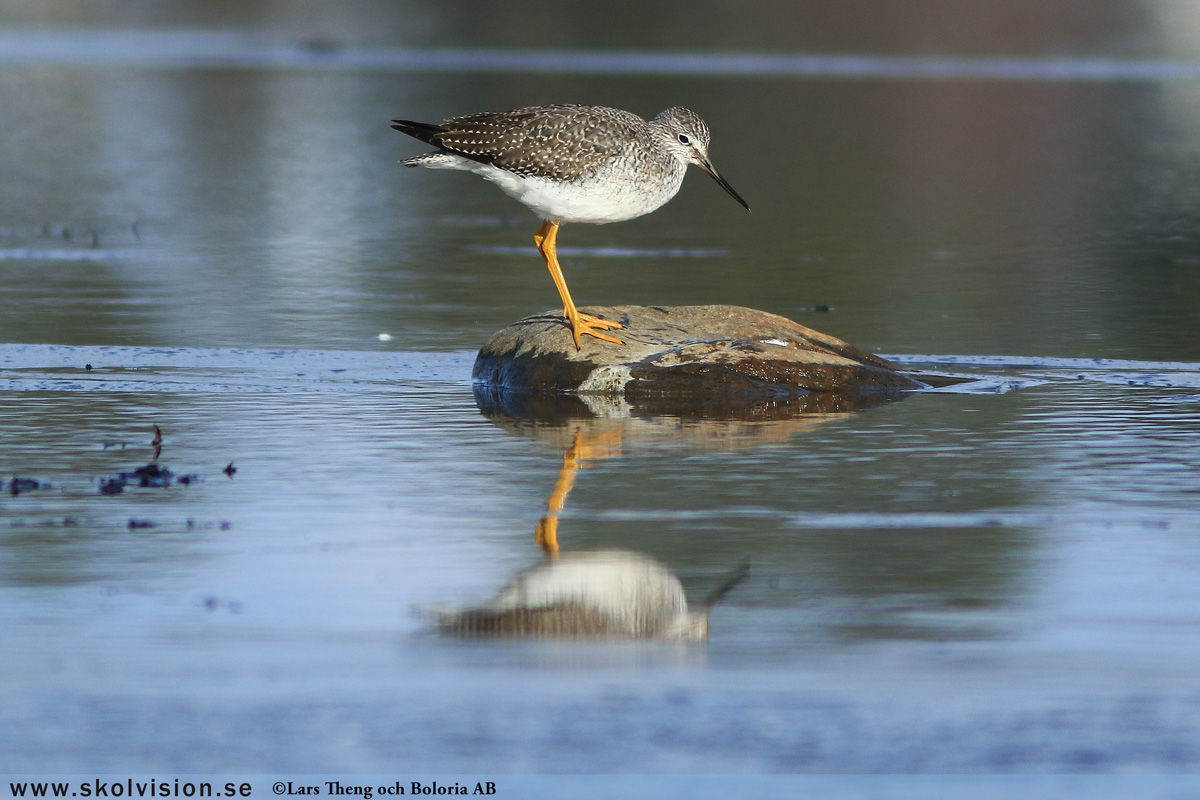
x=687 y=135
x=687 y=138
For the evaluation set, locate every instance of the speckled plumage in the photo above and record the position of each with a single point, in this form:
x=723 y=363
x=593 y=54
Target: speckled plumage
x=573 y=163
x=559 y=142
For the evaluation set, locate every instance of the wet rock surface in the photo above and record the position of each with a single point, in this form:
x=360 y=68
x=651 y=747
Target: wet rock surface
x=687 y=352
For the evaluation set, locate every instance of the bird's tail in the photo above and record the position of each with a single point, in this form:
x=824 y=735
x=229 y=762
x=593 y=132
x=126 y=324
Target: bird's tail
x=418 y=130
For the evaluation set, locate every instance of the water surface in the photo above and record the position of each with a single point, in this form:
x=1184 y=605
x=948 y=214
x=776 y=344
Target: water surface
x=995 y=577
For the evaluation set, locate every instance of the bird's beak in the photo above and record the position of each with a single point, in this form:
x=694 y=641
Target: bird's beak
x=707 y=166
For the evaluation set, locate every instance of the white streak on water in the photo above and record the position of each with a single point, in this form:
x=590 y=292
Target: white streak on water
x=1046 y=362
x=986 y=384
x=30 y=254
x=607 y=252
x=1049 y=518
x=194 y=48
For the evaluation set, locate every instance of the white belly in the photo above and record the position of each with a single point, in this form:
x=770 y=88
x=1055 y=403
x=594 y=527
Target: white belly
x=597 y=200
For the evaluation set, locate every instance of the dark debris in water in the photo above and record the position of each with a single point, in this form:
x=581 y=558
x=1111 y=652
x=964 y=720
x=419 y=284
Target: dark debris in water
x=52 y=522
x=20 y=485
x=151 y=476
x=213 y=603
x=130 y=523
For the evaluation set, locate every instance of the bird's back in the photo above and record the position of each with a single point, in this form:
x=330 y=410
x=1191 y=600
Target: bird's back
x=557 y=142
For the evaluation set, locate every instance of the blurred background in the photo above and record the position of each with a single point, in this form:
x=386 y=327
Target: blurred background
x=235 y=157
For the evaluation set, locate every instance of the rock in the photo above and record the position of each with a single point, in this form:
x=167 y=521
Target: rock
x=685 y=352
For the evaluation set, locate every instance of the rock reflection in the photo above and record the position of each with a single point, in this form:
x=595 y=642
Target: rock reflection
x=543 y=407
x=598 y=426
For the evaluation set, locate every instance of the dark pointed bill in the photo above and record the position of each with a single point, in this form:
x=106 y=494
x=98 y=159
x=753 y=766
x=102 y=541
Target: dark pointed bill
x=707 y=166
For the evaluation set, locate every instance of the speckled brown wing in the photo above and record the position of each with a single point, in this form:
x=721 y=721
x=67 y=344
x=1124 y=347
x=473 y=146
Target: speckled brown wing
x=560 y=142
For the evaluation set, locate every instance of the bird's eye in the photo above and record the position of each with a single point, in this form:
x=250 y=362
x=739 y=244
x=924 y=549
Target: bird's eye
x=683 y=139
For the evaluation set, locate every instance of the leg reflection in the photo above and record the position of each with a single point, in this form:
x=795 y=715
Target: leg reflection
x=605 y=445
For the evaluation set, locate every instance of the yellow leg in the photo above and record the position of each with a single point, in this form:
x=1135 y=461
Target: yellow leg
x=581 y=324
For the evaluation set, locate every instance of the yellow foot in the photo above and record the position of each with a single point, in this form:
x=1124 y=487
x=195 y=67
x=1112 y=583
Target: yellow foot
x=587 y=325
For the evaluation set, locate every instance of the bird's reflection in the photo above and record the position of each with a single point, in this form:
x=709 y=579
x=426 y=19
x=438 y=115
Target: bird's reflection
x=588 y=594
x=616 y=593
x=875 y=584
x=598 y=593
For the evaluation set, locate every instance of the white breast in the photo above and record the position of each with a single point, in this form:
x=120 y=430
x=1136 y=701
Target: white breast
x=600 y=199
x=596 y=200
